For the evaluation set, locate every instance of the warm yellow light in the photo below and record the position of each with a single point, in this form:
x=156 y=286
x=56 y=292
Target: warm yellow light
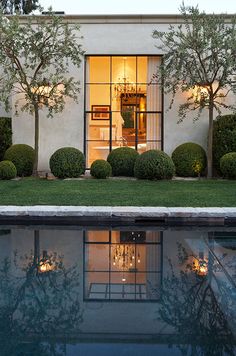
x=200 y=94
x=45 y=267
x=201 y=267
x=44 y=91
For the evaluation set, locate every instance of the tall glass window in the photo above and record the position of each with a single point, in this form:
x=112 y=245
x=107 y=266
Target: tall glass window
x=123 y=105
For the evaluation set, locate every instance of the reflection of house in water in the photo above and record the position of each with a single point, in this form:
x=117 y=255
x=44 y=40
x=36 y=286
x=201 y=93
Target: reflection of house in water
x=115 y=282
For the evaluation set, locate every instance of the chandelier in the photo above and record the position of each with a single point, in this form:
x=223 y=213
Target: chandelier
x=124 y=87
x=125 y=257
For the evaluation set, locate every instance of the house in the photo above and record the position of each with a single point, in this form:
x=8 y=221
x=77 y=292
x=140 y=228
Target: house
x=119 y=104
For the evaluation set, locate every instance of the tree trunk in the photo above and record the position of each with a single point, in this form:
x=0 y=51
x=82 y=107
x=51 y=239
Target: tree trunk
x=210 y=139
x=36 y=139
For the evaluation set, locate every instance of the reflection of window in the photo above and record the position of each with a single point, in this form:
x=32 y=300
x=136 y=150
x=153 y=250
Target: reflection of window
x=122 y=265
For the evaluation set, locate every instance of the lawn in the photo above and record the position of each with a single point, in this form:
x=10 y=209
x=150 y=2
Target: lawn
x=202 y=193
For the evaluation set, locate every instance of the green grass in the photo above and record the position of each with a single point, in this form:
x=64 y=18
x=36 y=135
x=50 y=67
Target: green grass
x=31 y=191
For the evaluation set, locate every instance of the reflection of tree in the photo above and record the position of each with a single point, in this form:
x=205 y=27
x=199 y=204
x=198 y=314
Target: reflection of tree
x=36 y=305
x=189 y=304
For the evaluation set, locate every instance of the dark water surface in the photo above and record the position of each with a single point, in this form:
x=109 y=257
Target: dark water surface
x=122 y=291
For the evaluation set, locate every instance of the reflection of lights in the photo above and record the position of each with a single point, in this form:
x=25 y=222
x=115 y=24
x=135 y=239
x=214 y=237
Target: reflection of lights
x=124 y=256
x=45 y=267
x=45 y=264
x=200 y=266
x=203 y=268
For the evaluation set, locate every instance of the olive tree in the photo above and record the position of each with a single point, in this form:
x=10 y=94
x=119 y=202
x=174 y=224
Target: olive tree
x=200 y=60
x=36 y=53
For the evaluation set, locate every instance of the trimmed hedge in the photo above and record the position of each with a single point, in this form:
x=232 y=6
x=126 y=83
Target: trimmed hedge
x=224 y=137
x=228 y=165
x=23 y=158
x=7 y=170
x=67 y=162
x=154 y=164
x=122 y=161
x=189 y=159
x=5 y=135
x=101 y=169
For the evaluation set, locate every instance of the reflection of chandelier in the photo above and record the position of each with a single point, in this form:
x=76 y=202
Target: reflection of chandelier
x=124 y=256
x=124 y=86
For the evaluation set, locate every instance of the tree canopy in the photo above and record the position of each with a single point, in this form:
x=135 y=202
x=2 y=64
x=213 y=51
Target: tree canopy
x=199 y=60
x=35 y=57
x=19 y=6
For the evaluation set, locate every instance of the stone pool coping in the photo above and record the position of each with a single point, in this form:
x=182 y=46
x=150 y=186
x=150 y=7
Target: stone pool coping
x=99 y=214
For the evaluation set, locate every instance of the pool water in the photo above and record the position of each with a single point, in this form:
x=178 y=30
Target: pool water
x=120 y=291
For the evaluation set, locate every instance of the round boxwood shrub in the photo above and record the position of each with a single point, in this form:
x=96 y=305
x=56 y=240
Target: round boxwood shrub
x=67 y=162
x=100 y=169
x=189 y=159
x=224 y=137
x=7 y=170
x=23 y=158
x=154 y=164
x=122 y=161
x=228 y=165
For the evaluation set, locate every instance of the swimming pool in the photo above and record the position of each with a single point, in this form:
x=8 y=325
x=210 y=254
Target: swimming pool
x=71 y=290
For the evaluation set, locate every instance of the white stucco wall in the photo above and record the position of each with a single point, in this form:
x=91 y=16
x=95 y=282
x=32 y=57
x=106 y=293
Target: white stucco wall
x=109 y=36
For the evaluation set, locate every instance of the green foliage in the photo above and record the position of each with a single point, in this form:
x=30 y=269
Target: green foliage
x=189 y=159
x=154 y=164
x=35 y=53
x=122 y=161
x=7 y=170
x=101 y=169
x=23 y=158
x=199 y=61
x=224 y=137
x=190 y=60
x=228 y=165
x=5 y=135
x=19 y=6
x=67 y=162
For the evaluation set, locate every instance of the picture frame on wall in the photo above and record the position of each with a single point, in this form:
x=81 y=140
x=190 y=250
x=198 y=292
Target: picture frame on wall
x=101 y=112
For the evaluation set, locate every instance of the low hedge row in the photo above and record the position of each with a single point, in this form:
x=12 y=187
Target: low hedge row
x=188 y=159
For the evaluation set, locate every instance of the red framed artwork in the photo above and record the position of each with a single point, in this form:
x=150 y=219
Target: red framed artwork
x=101 y=112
